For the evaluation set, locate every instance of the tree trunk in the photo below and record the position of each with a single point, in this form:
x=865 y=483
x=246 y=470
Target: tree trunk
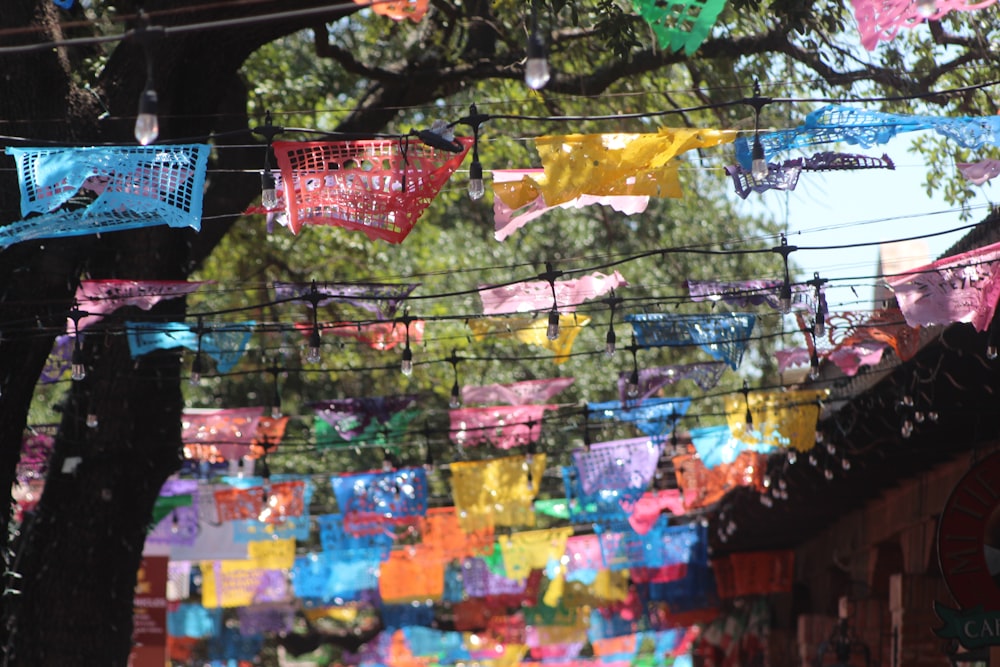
x=75 y=560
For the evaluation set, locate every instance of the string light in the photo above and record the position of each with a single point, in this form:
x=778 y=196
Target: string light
x=313 y=355
x=926 y=8
x=536 y=66
x=785 y=291
x=455 y=400
x=674 y=418
x=632 y=385
x=813 y=362
x=196 y=364
x=275 y=393
x=78 y=367
x=993 y=337
x=406 y=364
x=550 y=275
x=268 y=185
x=147 y=121
x=552 y=330
x=476 y=187
x=819 y=325
x=609 y=340
x=748 y=417
x=759 y=168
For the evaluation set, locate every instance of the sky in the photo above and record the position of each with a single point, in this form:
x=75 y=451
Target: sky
x=846 y=207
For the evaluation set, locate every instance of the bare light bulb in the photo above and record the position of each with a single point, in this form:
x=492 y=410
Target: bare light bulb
x=476 y=187
x=536 y=67
x=147 y=123
x=78 y=370
x=632 y=386
x=455 y=401
x=758 y=166
x=609 y=343
x=552 y=330
x=406 y=365
x=91 y=420
x=268 y=191
x=196 y=369
x=785 y=298
x=926 y=8
x=819 y=326
x=313 y=352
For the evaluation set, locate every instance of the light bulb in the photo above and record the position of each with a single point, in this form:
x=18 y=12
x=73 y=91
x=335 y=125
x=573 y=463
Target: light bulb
x=147 y=124
x=991 y=352
x=406 y=365
x=536 y=67
x=609 y=343
x=78 y=370
x=632 y=386
x=845 y=464
x=276 y=407
x=268 y=191
x=758 y=166
x=819 y=327
x=313 y=352
x=828 y=474
x=906 y=430
x=785 y=298
x=552 y=331
x=313 y=355
x=813 y=461
x=926 y=8
x=792 y=456
x=195 y=377
x=91 y=420
x=476 y=187
x=456 y=398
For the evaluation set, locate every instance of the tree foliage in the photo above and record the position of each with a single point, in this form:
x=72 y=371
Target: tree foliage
x=342 y=68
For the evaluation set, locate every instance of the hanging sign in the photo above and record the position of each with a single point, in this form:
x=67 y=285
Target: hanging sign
x=968 y=544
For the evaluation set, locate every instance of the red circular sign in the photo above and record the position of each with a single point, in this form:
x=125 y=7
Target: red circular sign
x=968 y=538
